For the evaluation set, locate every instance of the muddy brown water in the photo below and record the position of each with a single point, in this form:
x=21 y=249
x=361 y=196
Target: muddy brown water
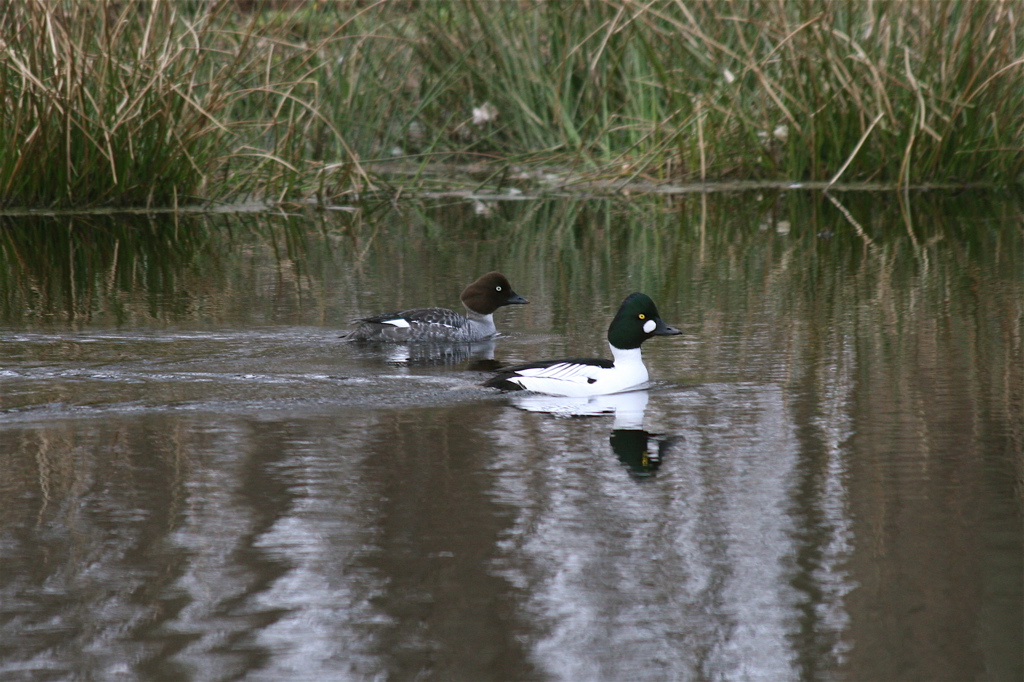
x=202 y=481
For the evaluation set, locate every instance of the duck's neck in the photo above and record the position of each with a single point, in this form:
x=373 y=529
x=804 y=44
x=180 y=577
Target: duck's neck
x=626 y=356
x=484 y=324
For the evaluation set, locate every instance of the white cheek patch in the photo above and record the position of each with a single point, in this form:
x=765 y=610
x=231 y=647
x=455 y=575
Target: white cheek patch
x=400 y=322
x=649 y=326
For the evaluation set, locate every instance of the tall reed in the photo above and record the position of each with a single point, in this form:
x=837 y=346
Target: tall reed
x=155 y=103
x=890 y=91
x=127 y=103
x=105 y=102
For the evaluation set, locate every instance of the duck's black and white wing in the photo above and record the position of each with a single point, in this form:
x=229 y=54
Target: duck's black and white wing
x=407 y=318
x=408 y=325
x=552 y=376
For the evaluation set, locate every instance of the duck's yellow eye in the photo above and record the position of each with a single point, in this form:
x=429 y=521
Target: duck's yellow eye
x=642 y=316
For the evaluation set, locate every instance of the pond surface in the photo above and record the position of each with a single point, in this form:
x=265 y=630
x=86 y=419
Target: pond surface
x=202 y=481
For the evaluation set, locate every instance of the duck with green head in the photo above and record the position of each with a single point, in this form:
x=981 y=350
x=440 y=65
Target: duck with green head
x=636 y=321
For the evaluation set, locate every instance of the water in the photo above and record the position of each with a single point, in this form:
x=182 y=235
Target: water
x=202 y=481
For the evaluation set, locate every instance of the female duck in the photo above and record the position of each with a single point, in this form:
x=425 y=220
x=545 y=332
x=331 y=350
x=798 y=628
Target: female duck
x=440 y=325
x=636 y=321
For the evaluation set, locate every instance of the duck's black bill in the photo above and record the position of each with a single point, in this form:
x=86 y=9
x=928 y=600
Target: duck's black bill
x=664 y=330
x=516 y=298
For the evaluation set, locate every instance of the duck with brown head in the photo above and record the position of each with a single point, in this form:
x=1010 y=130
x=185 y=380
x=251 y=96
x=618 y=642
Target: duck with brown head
x=440 y=325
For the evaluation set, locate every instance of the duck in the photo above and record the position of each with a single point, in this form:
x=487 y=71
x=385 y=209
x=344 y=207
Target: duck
x=636 y=321
x=440 y=325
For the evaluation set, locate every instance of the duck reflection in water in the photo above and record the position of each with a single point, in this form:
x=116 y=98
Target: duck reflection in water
x=479 y=355
x=640 y=451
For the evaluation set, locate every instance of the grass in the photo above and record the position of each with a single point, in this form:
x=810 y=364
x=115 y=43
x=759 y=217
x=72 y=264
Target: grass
x=104 y=106
x=895 y=92
x=146 y=104
x=159 y=103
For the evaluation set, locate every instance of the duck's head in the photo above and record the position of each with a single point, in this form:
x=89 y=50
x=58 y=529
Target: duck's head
x=637 y=321
x=489 y=293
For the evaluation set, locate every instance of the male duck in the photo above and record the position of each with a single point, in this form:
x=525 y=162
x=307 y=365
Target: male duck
x=440 y=325
x=636 y=321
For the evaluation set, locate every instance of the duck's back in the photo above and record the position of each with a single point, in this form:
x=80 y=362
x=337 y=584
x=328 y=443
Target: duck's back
x=569 y=377
x=421 y=324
